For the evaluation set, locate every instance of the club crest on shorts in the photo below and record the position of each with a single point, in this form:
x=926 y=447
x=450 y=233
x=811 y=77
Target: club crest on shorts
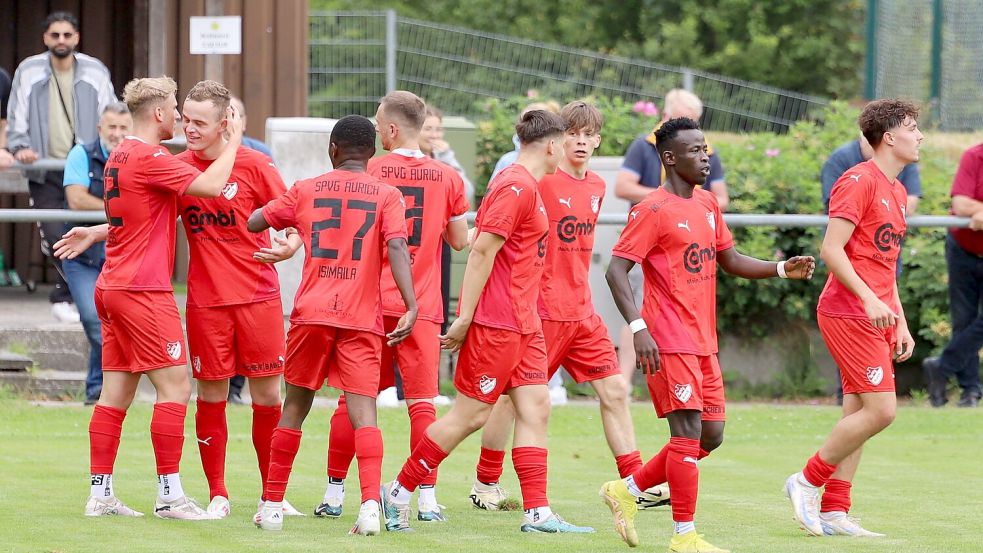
x=683 y=392
x=595 y=203
x=875 y=375
x=230 y=189
x=711 y=220
x=173 y=350
x=486 y=385
x=195 y=363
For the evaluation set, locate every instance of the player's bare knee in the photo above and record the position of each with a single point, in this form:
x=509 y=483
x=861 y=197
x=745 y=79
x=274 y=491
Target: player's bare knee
x=711 y=442
x=612 y=392
x=265 y=391
x=882 y=416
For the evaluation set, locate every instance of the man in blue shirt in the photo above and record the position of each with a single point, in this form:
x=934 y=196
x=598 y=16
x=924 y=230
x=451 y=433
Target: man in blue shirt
x=858 y=151
x=83 y=184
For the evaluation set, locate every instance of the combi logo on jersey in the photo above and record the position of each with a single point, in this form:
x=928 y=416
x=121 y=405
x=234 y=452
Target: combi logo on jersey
x=486 y=385
x=570 y=227
x=683 y=392
x=173 y=350
x=230 y=189
x=198 y=219
x=875 y=375
x=695 y=256
x=885 y=237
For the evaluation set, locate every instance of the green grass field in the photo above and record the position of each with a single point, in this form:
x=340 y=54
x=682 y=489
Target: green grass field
x=919 y=483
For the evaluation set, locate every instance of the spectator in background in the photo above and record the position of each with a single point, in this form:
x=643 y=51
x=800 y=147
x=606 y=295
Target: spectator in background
x=83 y=191
x=964 y=257
x=509 y=158
x=6 y=159
x=641 y=173
x=858 y=151
x=56 y=100
x=248 y=142
x=433 y=144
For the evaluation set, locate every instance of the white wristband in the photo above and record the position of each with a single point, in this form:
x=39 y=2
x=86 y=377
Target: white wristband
x=636 y=325
x=781 y=270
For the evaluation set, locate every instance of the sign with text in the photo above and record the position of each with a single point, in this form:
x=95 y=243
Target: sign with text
x=216 y=35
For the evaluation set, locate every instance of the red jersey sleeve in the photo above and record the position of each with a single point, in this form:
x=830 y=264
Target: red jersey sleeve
x=168 y=172
x=273 y=185
x=393 y=216
x=851 y=196
x=282 y=212
x=639 y=235
x=457 y=202
x=503 y=210
x=725 y=240
x=966 y=181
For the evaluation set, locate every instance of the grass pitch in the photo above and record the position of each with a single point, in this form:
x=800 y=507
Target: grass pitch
x=919 y=483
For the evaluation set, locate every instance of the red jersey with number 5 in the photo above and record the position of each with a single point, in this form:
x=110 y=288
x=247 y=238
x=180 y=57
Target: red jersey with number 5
x=514 y=211
x=345 y=219
x=142 y=185
x=434 y=196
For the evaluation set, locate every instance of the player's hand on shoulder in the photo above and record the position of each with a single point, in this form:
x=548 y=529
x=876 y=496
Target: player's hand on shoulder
x=454 y=338
x=403 y=328
x=73 y=243
x=800 y=267
x=646 y=352
x=235 y=125
x=906 y=343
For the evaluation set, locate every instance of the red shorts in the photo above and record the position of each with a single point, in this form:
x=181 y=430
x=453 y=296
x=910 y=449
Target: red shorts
x=583 y=348
x=863 y=353
x=418 y=359
x=244 y=339
x=686 y=381
x=141 y=331
x=493 y=360
x=347 y=359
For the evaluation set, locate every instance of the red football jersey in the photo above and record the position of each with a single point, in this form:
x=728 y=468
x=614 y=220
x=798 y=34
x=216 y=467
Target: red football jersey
x=676 y=240
x=222 y=270
x=142 y=183
x=865 y=197
x=514 y=211
x=345 y=220
x=572 y=206
x=434 y=195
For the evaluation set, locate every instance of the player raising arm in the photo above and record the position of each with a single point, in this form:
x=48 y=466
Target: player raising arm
x=679 y=236
x=346 y=219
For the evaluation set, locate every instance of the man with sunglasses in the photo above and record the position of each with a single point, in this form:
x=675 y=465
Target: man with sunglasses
x=55 y=103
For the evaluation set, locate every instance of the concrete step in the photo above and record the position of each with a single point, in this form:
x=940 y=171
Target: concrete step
x=56 y=346
x=10 y=361
x=45 y=384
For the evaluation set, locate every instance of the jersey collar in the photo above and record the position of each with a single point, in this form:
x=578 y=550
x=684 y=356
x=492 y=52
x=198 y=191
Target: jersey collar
x=406 y=152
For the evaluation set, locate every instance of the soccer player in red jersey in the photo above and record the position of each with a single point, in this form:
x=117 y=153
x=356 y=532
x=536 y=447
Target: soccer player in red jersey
x=140 y=322
x=348 y=220
x=499 y=333
x=860 y=314
x=679 y=236
x=435 y=210
x=575 y=335
x=234 y=315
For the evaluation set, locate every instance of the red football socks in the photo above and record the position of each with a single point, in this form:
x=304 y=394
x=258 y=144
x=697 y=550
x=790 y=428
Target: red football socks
x=368 y=450
x=653 y=472
x=105 y=428
x=628 y=463
x=817 y=471
x=213 y=437
x=683 y=476
x=490 y=463
x=426 y=457
x=836 y=496
x=265 y=419
x=530 y=467
x=167 y=435
x=341 y=442
x=422 y=415
x=283 y=449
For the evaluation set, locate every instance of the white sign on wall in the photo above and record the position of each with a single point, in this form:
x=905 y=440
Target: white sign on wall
x=216 y=35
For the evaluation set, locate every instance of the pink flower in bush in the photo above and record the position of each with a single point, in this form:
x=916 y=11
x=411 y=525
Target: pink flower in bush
x=772 y=152
x=639 y=106
x=532 y=93
x=650 y=109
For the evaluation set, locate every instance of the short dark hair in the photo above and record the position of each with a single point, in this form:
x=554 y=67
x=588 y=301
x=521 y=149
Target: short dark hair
x=880 y=116
x=60 y=16
x=354 y=132
x=667 y=132
x=538 y=124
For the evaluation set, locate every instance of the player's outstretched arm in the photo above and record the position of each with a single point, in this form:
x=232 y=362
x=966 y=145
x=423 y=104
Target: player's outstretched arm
x=210 y=183
x=257 y=222
x=476 y=272
x=284 y=249
x=399 y=263
x=456 y=234
x=646 y=350
x=79 y=239
x=734 y=262
x=833 y=253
